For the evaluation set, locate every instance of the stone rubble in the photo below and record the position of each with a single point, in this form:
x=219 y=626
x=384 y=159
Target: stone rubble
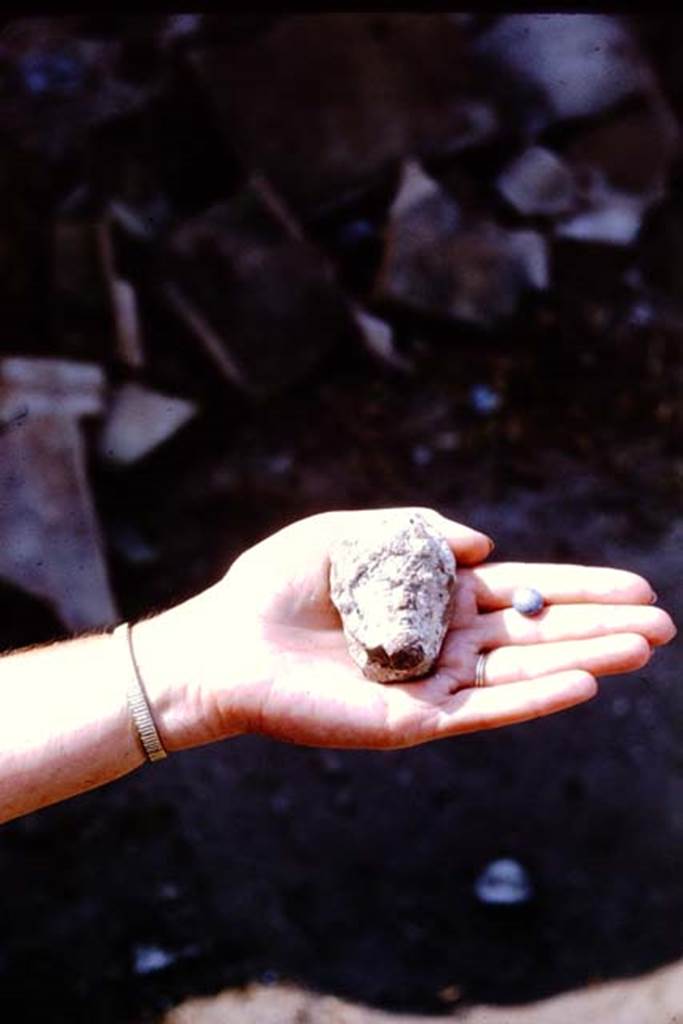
x=168 y=169
x=437 y=264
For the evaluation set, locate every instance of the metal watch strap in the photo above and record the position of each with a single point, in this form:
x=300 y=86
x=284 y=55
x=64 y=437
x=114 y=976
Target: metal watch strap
x=137 y=701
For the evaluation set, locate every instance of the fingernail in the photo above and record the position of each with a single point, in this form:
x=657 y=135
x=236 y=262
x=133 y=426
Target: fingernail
x=491 y=544
x=654 y=598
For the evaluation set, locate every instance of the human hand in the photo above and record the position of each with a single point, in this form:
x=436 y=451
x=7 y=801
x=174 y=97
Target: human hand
x=274 y=658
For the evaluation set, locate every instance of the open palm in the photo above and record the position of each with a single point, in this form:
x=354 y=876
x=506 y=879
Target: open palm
x=307 y=689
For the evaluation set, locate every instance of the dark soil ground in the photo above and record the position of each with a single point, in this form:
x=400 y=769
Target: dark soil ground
x=353 y=873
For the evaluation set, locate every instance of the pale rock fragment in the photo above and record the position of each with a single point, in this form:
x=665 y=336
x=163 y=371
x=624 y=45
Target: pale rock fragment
x=616 y=223
x=581 y=64
x=394 y=586
x=139 y=420
x=613 y=218
x=378 y=338
x=527 y=253
x=52 y=545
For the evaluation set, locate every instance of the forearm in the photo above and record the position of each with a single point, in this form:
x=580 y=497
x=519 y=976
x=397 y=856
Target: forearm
x=64 y=725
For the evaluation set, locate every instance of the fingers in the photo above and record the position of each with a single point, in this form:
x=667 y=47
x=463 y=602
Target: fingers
x=601 y=656
x=473 y=709
x=469 y=546
x=573 y=622
x=559 y=584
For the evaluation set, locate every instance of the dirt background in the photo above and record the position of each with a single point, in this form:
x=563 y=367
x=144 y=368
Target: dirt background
x=352 y=873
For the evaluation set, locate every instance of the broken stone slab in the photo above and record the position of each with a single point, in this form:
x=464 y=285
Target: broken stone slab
x=139 y=420
x=262 y=301
x=539 y=182
x=394 y=587
x=373 y=89
x=572 y=65
x=52 y=546
x=435 y=263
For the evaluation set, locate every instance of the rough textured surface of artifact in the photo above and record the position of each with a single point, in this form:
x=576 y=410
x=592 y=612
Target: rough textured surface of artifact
x=394 y=586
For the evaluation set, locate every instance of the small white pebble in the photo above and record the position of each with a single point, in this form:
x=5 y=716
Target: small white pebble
x=504 y=882
x=147 y=959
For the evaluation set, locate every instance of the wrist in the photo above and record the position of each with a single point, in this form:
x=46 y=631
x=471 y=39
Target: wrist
x=165 y=678
x=198 y=681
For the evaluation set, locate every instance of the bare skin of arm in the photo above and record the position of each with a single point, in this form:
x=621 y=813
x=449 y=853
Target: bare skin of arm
x=262 y=651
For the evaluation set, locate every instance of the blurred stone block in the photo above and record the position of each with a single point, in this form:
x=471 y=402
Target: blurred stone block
x=436 y=264
x=139 y=420
x=261 y=300
x=51 y=542
x=578 y=65
x=323 y=103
